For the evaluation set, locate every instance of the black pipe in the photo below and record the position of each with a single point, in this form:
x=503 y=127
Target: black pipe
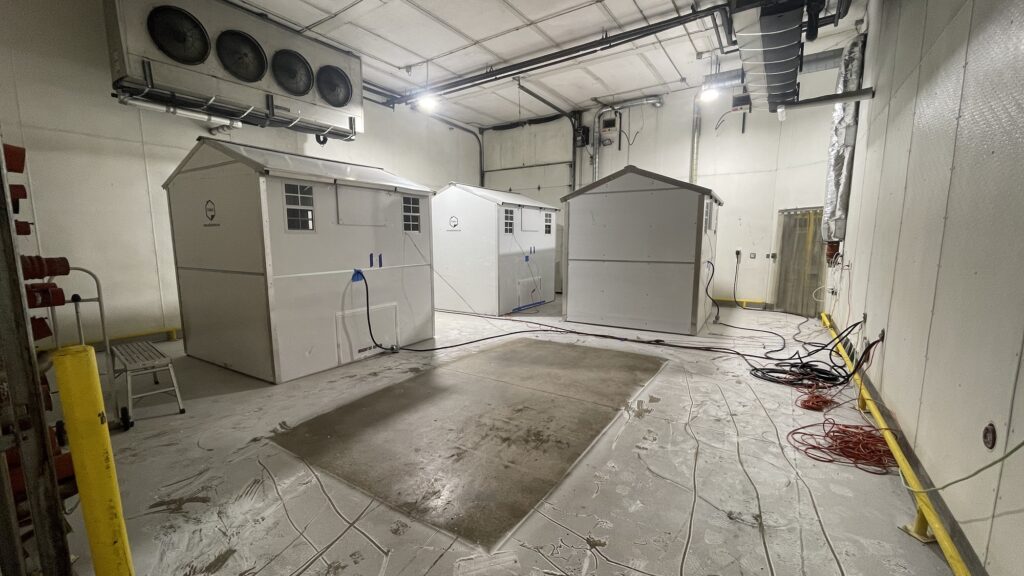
x=546 y=102
x=563 y=55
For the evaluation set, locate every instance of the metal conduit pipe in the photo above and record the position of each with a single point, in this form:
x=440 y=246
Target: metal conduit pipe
x=191 y=114
x=694 y=139
x=655 y=101
x=479 y=140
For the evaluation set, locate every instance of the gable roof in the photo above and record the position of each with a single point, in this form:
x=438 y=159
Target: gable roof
x=652 y=180
x=498 y=196
x=279 y=163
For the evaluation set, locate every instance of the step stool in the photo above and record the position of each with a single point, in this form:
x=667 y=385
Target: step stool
x=136 y=359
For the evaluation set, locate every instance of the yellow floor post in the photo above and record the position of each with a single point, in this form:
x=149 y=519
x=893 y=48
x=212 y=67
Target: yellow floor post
x=86 y=421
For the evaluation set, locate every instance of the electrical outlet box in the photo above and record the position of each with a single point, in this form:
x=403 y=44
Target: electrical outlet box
x=753 y=255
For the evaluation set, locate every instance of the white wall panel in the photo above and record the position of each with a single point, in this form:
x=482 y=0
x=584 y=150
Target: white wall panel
x=866 y=206
x=889 y=211
x=954 y=324
x=923 y=218
x=745 y=223
x=940 y=14
x=1004 y=554
x=974 y=349
x=908 y=40
x=97 y=186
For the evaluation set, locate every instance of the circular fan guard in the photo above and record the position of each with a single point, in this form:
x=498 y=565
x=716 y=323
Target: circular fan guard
x=178 y=34
x=333 y=85
x=241 y=55
x=292 y=72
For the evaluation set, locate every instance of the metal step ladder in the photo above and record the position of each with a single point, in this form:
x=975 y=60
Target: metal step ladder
x=140 y=358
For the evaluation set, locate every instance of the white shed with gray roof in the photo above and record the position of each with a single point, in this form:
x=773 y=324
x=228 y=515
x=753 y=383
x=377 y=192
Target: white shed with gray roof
x=266 y=245
x=495 y=250
x=637 y=252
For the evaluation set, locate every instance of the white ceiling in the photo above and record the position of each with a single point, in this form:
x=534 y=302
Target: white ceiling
x=402 y=42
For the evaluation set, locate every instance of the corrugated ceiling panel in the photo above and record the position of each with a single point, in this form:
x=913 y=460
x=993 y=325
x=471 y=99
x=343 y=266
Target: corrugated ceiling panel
x=577 y=26
x=297 y=12
x=626 y=73
x=535 y=9
x=574 y=84
x=477 y=19
x=517 y=44
x=411 y=29
x=493 y=105
x=368 y=43
x=472 y=59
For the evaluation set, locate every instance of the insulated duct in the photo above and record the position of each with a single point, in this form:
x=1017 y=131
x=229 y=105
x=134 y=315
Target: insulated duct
x=841 y=144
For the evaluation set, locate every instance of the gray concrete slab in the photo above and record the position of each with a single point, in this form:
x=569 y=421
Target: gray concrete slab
x=661 y=492
x=472 y=446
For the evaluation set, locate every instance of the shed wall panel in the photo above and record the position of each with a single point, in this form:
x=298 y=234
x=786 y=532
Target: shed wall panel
x=218 y=222
x=644 y=295
x=226 y=320
x=466 y=259
x=638 y=226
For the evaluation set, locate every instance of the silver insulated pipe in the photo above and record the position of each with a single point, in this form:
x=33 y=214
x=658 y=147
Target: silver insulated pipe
x=594 y=134
x=841 y=144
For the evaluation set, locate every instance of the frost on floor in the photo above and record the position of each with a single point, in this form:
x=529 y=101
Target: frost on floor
x=693 y=476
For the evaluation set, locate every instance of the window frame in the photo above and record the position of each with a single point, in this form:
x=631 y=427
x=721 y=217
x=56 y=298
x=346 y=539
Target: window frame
x=510 y=221
x=311 y=208
x=412 y=218
x=548 y=222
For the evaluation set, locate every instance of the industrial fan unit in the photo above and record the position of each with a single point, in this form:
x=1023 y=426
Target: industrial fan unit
x=211 y=57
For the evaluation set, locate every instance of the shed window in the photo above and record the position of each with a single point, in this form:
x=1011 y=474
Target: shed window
x=411 y=213
x=298 y=200
x=510 y=221
x=547 y=222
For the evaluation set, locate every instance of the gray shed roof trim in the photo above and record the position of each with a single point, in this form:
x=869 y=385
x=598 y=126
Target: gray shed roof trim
x=669 y=182
x=277 y=162
x=499 y=197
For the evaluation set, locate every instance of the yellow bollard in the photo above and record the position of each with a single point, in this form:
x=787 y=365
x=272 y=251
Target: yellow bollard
x=85 y=417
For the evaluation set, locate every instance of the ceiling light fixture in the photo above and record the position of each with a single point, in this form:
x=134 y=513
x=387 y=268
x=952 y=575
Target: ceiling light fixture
x=428 y=102
x=708 y=95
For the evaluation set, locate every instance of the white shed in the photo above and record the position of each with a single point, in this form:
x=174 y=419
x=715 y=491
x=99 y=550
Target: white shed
x=495 y=250
x=637 y=247
x=265 y=244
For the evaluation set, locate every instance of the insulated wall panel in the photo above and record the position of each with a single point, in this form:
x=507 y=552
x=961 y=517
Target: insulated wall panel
x=978 y=325
x=923 y=219
x=889 y=211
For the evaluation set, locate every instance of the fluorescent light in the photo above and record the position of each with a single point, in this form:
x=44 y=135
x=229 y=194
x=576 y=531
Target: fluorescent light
x=708 y=94
x=428 y=102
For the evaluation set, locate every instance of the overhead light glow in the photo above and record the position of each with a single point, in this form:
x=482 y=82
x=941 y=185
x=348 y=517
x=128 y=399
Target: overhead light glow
x=708 y=94
x=428 y=103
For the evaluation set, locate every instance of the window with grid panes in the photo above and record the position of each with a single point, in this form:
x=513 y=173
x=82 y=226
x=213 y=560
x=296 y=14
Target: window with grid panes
x=411 y=213
x=298 y=201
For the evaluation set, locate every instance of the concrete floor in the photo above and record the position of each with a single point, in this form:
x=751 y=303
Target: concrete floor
x=694 y=477
x=472 y=446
